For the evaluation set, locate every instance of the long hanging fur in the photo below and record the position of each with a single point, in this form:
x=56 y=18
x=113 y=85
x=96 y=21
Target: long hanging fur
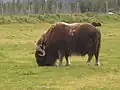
x=77 y=38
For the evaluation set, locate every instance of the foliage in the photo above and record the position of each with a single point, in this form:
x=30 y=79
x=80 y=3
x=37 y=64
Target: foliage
x=51 y=18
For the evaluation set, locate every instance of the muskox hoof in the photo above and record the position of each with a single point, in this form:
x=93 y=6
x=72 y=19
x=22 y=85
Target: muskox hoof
x=68 y=64
x=97 y=64
x=88 y=63
x=60 y=64
x=56 y=65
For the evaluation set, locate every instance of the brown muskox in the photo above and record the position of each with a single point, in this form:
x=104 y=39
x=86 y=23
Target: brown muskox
x=64 y=39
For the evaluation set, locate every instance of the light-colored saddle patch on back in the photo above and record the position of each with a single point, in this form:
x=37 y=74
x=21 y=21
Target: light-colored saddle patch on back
x=69 y=24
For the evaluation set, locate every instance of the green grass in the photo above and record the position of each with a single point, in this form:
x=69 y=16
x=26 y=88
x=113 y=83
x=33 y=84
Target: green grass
x=19 y=71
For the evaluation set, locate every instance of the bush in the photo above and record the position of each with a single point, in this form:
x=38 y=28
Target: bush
x=52 y=18
x=4 y=20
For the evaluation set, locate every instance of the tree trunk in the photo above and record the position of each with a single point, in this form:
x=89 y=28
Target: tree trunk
x=2 y=9
x=106 y=5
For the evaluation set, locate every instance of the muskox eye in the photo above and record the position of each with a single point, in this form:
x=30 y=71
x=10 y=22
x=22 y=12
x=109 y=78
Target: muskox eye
x=42 y=46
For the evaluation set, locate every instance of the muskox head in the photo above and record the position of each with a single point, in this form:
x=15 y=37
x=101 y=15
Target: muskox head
x=40 y=53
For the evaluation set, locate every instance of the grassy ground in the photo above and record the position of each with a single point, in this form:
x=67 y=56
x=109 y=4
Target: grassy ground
x=19 y=71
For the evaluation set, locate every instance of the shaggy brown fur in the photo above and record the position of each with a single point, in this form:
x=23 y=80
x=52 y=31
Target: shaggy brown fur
x=76 y=38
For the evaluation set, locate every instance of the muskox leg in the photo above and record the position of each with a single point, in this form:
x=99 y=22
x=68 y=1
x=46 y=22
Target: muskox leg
x=60 y=55
x=97 y=59
x=90 y=56
x=60 y=59
x=67 y=60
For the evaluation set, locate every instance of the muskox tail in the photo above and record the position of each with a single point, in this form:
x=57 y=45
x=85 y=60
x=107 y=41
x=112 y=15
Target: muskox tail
x=96 y=24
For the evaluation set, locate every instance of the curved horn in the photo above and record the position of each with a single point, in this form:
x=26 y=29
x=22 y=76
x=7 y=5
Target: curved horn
x=41 y=50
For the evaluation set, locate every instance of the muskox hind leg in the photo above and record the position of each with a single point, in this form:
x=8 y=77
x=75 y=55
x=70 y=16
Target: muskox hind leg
x=97 y=58
x=90 y=56
x=68 y=63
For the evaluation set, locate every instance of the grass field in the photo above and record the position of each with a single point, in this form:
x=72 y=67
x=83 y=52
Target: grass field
x=19 y=71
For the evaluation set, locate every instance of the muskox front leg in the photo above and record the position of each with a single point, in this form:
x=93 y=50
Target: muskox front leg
x=60 y=60
x=60 y=55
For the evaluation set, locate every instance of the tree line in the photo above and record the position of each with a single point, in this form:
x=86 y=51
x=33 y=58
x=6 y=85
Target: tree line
x=26 y=7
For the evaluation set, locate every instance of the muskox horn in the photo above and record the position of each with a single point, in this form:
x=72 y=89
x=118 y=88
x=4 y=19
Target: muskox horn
x=41 y=50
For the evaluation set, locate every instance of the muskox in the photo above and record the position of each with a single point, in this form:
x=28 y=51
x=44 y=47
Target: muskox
x=63 y=39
